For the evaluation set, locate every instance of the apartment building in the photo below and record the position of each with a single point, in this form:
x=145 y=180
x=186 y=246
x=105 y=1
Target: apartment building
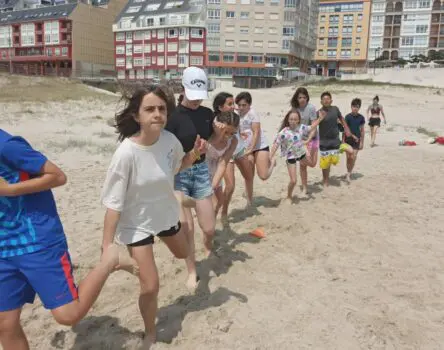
x=159 y=38
x=253 y=38
x=401 y=29
x=64 y=40
x=343 y=31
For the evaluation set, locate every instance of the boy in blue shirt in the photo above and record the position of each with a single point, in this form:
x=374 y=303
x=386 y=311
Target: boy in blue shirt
x=34 y=257
x=356 y=124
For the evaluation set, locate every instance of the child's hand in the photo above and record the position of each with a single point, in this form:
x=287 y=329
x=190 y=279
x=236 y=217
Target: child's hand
x=322 y=114
x=200 y=146
x=218 y=124
x=355 y=138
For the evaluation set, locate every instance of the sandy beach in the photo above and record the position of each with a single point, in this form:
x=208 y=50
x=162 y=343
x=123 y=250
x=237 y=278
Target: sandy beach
x=355 y=266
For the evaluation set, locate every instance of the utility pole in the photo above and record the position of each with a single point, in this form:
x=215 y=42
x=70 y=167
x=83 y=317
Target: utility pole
x=376 y=57
x=10 y=49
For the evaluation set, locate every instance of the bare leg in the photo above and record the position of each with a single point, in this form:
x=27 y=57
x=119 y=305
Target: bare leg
x=187 y=221
x=351 y=160
x=207 y=222
x=374 y=131
x=293 y=179
x=304 y=176
x=247 y=170
x=12 y=336
x=149 y=289
x=264 y=166
x=218 y=199
x=229 y=181
x=89 y=289
x=325 y=176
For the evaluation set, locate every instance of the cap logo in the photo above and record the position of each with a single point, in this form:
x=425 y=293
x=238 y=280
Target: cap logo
x=197 y=82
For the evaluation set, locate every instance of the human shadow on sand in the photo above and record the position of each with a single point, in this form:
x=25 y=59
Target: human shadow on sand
x=239 y=215
x=225 y=254
x=338 y=181
x=99 y=332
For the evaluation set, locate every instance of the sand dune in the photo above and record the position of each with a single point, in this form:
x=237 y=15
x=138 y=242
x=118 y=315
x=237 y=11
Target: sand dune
x=357 y=266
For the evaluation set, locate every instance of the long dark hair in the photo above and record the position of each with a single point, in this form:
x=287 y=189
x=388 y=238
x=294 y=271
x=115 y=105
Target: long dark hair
x=299 y=91
x=219 y=101
x=126 y=123
x=285 y=123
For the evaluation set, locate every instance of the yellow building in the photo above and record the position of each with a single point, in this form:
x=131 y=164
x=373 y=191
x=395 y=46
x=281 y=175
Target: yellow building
x=343 y=30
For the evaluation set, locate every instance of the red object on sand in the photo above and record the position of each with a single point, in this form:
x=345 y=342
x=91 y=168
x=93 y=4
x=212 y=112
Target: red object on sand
x=440 y=140
x=410 y=143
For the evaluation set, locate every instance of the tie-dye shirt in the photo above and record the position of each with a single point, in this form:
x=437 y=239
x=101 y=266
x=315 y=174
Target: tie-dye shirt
x=27 y=223
x=292 y=141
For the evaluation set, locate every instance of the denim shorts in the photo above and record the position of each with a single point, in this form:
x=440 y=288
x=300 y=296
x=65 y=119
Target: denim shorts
x=194 y=182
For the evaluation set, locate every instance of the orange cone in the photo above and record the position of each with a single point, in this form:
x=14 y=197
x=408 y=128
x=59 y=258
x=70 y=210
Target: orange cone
x=258 y=232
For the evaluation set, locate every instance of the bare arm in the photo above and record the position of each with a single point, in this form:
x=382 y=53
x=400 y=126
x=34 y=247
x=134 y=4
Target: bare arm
x=112 y=218
x=361 y=141
x=383 y=115
x=223 y=161
x=256 y=128
x=200 y=147
x=50 y=176
x=345 y=125
x=273 y=150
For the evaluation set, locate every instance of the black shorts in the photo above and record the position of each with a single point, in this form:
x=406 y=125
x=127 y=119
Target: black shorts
x=266 y=149
x=294 y=160
x=352 y=142
x=374 y=122
x=150 y=240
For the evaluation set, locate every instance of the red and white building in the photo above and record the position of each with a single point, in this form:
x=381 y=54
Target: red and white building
x=159 y=39
x=62 y=40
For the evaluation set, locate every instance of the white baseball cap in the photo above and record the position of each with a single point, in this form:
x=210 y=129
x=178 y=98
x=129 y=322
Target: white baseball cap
x=195 y=83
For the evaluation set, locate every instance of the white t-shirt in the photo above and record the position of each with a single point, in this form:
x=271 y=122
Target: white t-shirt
x=140 y=185
x=245 y=127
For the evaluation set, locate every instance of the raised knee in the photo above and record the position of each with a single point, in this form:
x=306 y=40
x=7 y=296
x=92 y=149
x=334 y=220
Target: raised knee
x=67 y=319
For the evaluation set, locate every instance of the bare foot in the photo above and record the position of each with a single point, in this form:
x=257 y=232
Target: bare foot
x=128 y=264
x=303 y=193
x=192 y=282
x=348 y=177
x=224 y=220
x=147 y=343
x=288 y=201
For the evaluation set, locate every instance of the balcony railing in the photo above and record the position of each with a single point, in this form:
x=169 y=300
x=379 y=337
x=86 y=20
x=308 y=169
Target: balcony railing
x=166 y=23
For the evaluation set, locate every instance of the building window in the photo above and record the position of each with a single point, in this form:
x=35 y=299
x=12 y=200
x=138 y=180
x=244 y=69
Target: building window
x=138 y=62
x=290 y=16
x=228 y=58
x=357 y=52
x=331 y=53
x=346 y=42
x=244 y=15
x=229 y=43
x=322 y=30
x=172 y=60
x=332 y=42
x=360 y=17
x=334 y=19
x=272 y=30
x=129 y=50
x=138 y=35
x=230 y=14
x=129 y=36
x=285 y=44
x=333 y=31
x=348 y=18
x=52 y=32
x=64 y=51
x=213 y=28
x=197 y=33
x=422 y=29
x=213 y=2
x=358 y=40
x=243 y=30
x=290 y=3
x=229 y=29
x=147 y=48
x=243 y=43
x=321 y=19
x=147 y=61
x=347 y=30
x=256 y=59
x=272 y=44
x=196 y=60
x=120 y=36
x=172 y=33
x=274 y=16
x=147 y=35
x=242 y=58
x=258 y=43
x=288 y=31
x=359 y=29
x=121 y=74
x=321 y=41
x=137 y=48
x=160 y=47
x=120 y=62
x=133 y=9
x=160 y=60
x=213 y=42
x=259 y=15
x=407 y=41
x=197 y=47
x=320 y=52
x=160 y=34
x=27 y=34
x=213 y=14
x=258 y=30
x=213 y=57
x=172 y=47
x=424 y=4
x=345 y=53
x=182 y=59
x=120 y=50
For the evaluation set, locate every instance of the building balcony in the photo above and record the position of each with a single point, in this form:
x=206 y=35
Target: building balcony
x=66 y=42
x=168 y=22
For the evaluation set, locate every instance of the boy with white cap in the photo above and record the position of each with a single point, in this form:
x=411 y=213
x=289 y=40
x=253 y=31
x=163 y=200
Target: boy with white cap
x=187 y=121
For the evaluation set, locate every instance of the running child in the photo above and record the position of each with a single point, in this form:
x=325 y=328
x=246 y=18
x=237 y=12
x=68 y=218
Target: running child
x=34 y=255
x=329 y=143
x=356 y=124
x=374 y=113
x=292 y=138
x=139 y=191
x=220 y=148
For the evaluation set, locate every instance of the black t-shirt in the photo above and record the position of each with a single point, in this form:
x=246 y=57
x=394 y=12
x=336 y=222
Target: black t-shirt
x=329 y=130
x=187 y=123
x=354 y=123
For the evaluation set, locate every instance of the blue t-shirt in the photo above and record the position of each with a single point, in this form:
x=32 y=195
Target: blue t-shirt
x=27 y=223
x=354 y=123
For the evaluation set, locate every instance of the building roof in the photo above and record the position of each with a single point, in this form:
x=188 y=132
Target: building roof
x=38 y=14
x=153 y=8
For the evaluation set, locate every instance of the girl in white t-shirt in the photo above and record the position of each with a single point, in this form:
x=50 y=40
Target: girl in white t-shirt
x=257 y=149
x=292 y=139
x=224 y=102
x=139 y=191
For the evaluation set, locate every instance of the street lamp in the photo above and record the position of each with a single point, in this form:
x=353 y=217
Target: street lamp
x=377 y=50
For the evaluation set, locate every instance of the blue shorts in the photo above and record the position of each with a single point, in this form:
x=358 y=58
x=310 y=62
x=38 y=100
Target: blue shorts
x=194 y=182
x=47 y=272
